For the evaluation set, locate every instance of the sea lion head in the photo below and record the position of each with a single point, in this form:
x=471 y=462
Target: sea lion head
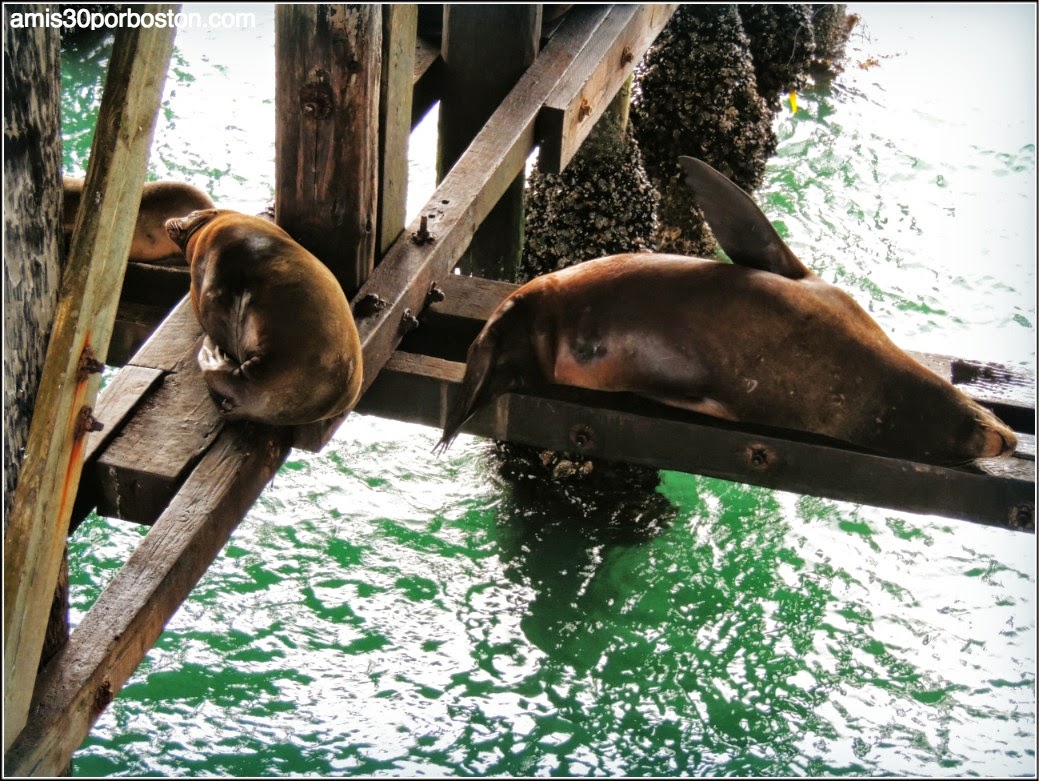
x=181 y=229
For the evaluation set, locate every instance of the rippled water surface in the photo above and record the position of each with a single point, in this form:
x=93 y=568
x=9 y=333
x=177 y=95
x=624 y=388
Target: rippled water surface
x=382 y=611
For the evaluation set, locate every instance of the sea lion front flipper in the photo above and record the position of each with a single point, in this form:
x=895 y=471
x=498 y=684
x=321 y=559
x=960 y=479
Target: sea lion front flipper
x=745 y=234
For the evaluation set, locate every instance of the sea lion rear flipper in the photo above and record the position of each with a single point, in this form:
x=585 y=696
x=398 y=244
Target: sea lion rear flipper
x=745 y=234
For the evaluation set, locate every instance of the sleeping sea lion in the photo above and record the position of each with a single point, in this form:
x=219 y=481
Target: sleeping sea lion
x=159 y=202
x=281 y=346
x=761 y=340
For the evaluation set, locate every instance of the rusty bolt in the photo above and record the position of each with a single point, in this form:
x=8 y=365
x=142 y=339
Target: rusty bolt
x=760 y=457
x=422 y=235
x=584 y=110
x=408 y=322
x=368 y=304
x=86 y=422
x=627 y=55
x=315 y=99
x=582 y=437
x=1022 y=516
x=88 y=364
x=434 y=295
x=103 y=696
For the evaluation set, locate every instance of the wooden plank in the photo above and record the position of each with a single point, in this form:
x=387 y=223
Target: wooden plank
x=461 y=202
x=1008 y=391
x=143 y=466
x=35 y=536
x=399 y=23
x=579 y=101
x=108 y=644
x=327 y=132
x=172 y=341
x=623 y=427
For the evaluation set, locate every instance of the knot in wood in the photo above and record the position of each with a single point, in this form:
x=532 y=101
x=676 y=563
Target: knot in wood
x=760 y=457
x=582 y=436
x=627 y=55
x=315 y=99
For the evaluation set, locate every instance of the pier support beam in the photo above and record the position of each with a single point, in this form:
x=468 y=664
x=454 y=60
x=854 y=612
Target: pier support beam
x=329 y=65
x=486 y=49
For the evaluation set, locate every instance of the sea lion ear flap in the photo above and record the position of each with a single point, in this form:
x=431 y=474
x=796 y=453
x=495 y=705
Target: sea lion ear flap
x=743 y=231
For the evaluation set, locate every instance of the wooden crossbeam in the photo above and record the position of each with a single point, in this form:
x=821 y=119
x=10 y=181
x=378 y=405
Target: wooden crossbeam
x=421 y=389
x=578 y=102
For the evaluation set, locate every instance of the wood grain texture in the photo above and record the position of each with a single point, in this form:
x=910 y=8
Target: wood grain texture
x=399 y=25
x=329 y=65
x=35 y=535
x=113 y=637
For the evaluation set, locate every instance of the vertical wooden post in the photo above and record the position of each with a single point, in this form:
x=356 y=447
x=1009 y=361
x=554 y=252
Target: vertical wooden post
x=329 y=63
x=32 y=230
x=32 y=223
x=485 y=48
x=399 y=29
x=35 y=536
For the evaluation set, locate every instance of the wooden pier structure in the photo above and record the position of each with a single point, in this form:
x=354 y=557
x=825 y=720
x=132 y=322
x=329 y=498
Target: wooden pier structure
x=351 y=82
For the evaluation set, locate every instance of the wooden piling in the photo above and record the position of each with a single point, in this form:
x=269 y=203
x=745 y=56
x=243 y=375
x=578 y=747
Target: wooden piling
x=486 y=49
x=399 y=25
x=329 y=65
x=35 y=536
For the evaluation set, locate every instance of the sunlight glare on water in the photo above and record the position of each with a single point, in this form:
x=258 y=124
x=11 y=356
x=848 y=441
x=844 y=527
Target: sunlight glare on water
x=382 y=611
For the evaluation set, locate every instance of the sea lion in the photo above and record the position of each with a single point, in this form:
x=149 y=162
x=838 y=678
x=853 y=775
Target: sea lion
x=281 y=346
x=159 y=202
x=762 y=340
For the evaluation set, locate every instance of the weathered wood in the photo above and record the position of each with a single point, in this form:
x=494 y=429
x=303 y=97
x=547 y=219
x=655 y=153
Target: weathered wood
x=421 y=389
x=572 y=110
x=428 y=76
x=461 y=202
x=46 y=489
x=32 y=232
x=113 y=637
x=172 y=341
x=486 y=49
x=399 y=23
x=327 y=132
x=146 y=462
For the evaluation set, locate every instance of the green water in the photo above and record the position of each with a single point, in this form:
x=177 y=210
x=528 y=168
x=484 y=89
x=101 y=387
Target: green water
x=384 y=612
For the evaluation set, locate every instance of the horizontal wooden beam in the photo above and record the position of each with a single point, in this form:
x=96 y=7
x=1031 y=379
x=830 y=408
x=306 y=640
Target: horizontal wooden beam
x=421 y=389
x=579 y=100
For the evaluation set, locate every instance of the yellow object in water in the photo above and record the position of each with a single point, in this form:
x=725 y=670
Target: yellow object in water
x=793 y=101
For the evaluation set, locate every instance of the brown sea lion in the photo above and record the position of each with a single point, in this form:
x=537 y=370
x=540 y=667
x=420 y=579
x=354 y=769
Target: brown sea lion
x=281 y=346
x=761 y=340
x=159 y=202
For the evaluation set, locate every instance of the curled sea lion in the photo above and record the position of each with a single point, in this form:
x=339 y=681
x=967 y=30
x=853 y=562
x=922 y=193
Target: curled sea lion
x=761 y=340
x=281 y=346
x=159 y=202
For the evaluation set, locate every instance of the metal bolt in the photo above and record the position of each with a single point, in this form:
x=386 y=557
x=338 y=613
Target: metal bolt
x=408 y=322
x=760 y=457
x=434 y=295
x=582 y=436
x=86 y=422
